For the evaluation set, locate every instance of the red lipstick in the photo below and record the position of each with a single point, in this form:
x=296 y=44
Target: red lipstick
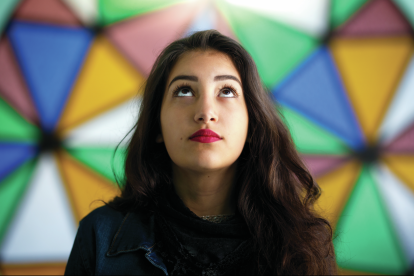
x=205 y=136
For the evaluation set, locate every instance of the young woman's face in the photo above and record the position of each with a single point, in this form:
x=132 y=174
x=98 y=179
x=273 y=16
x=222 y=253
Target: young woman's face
x=204 y=92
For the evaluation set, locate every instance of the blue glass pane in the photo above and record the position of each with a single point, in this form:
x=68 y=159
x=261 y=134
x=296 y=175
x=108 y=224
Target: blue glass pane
x=50 y=58
x=315 y=91
x=13 y=156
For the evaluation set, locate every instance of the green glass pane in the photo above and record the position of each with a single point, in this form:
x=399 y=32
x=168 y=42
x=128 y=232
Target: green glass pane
x=11 y=191
x=365 y=238
x=14 y=127
x=102 y=160
x=111 y=11
x=6 y=8
x=276 y=48
x=341 y=10
x=407 y=7
x=310 y=138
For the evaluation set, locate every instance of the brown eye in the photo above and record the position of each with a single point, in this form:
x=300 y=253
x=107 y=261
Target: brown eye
x=183 y=92
x=228 y=92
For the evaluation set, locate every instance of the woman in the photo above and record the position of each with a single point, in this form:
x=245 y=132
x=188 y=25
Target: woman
x=213 y=183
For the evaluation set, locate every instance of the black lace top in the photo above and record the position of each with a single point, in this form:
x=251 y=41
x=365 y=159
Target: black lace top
x=189 y=245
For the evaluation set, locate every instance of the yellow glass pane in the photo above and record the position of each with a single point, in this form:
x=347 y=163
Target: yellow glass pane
x=106 y=80
x=371 y=69
x=336 y=187
x=34 y=269
x=403 y=167
x=86 y=188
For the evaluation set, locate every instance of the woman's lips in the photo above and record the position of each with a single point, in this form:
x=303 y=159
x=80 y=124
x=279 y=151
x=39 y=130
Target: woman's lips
x=205 y=136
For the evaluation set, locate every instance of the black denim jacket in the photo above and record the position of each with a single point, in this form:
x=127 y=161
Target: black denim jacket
x=109 y=242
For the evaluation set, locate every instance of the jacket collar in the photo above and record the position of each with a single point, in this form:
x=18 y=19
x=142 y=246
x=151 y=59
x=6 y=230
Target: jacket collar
x=136 y=232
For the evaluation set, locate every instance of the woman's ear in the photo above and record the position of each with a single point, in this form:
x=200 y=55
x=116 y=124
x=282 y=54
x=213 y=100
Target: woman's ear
x=159 y=138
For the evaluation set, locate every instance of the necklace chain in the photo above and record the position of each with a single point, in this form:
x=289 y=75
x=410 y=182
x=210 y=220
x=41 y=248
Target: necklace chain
x=217 y=218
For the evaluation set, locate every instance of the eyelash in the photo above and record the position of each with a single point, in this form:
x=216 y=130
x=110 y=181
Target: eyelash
x=185 y=85
x=179 y=87
x=231 y=88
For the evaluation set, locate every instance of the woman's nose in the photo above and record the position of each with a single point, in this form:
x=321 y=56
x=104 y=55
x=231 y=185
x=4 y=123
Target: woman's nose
x=205 y=110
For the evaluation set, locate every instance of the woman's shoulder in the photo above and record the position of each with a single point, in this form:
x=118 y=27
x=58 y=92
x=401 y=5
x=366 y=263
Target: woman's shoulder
x=100 y=226
x=108 y=219
x=104 y=215
x=105 y=233
x=105 y=222
x=109 y=231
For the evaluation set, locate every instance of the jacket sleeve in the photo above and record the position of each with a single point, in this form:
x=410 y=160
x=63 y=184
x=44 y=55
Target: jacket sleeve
x=81 y=260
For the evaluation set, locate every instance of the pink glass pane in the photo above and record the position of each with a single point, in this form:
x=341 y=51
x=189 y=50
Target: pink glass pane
x=319 y=165
x=46 y=11
x=12 y=85
x=404 y=143
x=379 y=17
x=143 y=38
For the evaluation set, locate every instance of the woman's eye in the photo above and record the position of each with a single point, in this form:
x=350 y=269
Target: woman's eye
x=227 y=93
x=184 y=92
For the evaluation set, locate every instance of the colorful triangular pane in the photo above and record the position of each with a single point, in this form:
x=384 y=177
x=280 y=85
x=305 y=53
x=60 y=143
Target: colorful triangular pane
x=144 y=37
x=50 y=58
x=310 y=138
x=342 y=10
x=111 y=11
x=404 y=144
x=34 y=269
x=222 y=25
x=402 y=166
x=86 y=10
x=43 y=220
x=309 y=16
x=12 y=189
x=14 y=127
x=6 y=8
x=371 y=69
x=365 y=238
x=400 y=204
x=276 y=48
x=87 y=189
x=106 y=80
x=12 y=84
x=13 y=156
x=336 y=187
x=379 y=17
x=315 y=91
x=107 y=129
x=204 y=21
x=407 y=7
x=46 y=11
x=104 y=161
x=319 y=165
x=210 y=18
x=400 y=114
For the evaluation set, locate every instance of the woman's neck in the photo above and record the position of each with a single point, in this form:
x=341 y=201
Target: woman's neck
x=206 y=193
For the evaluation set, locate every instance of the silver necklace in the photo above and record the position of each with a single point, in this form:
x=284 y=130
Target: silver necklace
x=217 y=218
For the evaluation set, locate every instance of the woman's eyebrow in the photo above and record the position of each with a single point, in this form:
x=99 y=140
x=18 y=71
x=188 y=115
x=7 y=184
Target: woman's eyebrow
x=194 y=78
x=227 y=77
x=183 y=77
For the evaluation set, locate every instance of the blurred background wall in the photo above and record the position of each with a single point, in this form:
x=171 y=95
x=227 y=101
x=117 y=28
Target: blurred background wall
x=341 y=72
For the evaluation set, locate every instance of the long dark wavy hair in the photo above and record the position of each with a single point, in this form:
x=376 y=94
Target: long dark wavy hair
x=274 y=190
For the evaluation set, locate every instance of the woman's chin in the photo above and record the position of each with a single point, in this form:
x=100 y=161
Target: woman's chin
x=205 y=164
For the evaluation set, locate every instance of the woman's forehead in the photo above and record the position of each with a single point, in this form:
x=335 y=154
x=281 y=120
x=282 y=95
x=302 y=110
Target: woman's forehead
x=199 y=61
